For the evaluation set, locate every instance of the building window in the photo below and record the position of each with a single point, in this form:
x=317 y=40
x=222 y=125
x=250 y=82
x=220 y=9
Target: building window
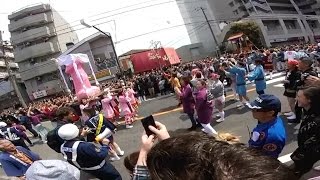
x=231 y=4
x=39 y=80
x=235 y=12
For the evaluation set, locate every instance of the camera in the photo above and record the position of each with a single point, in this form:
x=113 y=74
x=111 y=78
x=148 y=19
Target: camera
x=304 y=76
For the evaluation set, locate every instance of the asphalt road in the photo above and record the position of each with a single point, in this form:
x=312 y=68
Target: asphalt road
x=165 y=110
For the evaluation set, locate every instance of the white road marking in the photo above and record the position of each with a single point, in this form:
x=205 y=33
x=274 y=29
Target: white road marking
x=274 y=80
x=278 y=85
x=285 y=158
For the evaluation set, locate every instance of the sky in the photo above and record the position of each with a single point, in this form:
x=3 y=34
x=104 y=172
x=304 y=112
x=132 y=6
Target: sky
x=128 y=22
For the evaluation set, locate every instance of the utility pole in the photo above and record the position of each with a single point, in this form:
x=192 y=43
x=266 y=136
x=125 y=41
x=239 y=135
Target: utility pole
x=212 y=33
x=12 y=76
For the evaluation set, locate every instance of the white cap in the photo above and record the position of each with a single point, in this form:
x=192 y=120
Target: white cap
x=3 y=124
x=319 y=44
x=52 y=169
x=68 y=131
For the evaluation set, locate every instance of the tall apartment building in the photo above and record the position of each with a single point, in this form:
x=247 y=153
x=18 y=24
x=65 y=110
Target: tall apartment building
x=38 y=34
x=282 y=21
x=8 y=97
x=216 y=10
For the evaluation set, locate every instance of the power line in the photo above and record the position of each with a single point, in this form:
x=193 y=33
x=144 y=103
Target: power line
x=190 y=35
x=109 y=15
x=194 y=30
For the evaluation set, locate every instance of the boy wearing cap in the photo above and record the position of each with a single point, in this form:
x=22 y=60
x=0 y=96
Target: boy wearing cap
x=269 y=136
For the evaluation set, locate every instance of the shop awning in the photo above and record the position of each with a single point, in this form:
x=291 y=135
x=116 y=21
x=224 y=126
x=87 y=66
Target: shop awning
x=236 y=36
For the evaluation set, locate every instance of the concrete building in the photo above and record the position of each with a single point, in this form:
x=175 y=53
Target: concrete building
x=282 y=21
x=38 y=34
x=99 y=49
x=217 y=11
x=8 y=97
x=191 y=52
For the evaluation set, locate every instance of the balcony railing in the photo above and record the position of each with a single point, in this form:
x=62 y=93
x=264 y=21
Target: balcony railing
x=35 y=8
x=30 y=21
x=33 y=34
x=37 y=50
x=294 y=31
x=39 y=69
x=275 y=32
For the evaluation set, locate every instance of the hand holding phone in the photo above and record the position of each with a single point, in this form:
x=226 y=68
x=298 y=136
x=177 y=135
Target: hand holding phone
x=146 y=122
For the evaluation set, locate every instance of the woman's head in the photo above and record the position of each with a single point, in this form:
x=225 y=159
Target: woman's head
x=199 y=156
x=84 y=101
x=214 y=76
x=90 y=112
x=201 y=84
x=293 y=64
x=309 y=98
x=185 y=80
x=130 y=161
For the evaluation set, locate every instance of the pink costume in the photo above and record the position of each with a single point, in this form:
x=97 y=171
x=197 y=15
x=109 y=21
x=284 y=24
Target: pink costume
x=131 y=94
x=126 y=109
x=107 y=107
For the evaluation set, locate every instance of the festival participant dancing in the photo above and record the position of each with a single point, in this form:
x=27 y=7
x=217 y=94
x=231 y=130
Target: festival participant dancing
x=126 y=109
x=107 y=107
x=258 y=77
x=240 y=72
x=204 y=108
x=216 y=90
x=188 y=101
x=133 y=101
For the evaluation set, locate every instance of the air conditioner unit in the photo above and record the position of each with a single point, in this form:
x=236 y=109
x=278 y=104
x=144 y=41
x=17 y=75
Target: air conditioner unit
x=46 y=39
x=28 y=43
x=32 y=60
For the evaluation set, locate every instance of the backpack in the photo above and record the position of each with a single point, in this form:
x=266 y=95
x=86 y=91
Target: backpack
x=54 y=141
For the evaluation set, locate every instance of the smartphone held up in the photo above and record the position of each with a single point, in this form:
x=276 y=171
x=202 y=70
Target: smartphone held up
x=146 y=122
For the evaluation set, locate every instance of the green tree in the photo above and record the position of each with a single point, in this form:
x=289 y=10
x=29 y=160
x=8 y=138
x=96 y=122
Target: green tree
x=250 y=29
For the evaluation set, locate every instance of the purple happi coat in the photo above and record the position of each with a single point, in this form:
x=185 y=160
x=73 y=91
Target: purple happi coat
x=187 y=99
x=203 y=108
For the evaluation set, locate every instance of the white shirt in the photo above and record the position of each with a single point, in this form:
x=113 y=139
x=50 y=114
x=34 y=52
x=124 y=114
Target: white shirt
x=289 y=55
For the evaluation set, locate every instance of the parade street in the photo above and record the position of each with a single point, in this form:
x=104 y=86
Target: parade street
x=238 y=122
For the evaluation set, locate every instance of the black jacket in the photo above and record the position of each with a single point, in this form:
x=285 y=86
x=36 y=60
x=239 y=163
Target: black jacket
x=308 y=151
x=291 y=86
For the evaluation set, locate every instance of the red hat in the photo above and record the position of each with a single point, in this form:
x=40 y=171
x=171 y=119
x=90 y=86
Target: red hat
x=293 y=62
x=214 y=75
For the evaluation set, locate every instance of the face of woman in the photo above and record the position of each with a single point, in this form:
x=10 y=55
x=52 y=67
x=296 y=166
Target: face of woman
x=302 y=100
x=199 y=85
x=182 y=82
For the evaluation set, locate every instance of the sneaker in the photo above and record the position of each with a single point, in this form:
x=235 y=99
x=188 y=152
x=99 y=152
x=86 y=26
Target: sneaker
x=219 y=120
x=129 y=126
x=289 y=114
x=247 y=104
x=292 y=117
x=44 y=142
x=218 y=116
x=115 y=158
x=239 y=105
x=203 y=130
x=121 y=153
